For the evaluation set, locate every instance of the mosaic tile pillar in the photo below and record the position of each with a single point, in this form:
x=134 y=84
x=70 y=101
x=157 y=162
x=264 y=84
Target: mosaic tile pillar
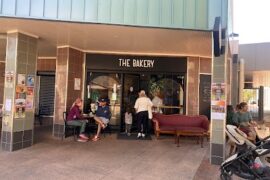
x=217 y=137
x=69 y=67
x=20 y=71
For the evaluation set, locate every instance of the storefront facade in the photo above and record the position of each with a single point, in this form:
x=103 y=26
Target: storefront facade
x=107 y=47
x=120 y=77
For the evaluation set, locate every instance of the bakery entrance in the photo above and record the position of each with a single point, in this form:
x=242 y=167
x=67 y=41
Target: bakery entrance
x=166 y=91
x=120 y=77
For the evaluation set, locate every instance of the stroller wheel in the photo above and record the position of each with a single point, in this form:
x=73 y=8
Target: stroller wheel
x=224 y=176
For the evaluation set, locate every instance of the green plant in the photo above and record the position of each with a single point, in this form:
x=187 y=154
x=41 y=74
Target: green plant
x=249 y=95
x=155 y=87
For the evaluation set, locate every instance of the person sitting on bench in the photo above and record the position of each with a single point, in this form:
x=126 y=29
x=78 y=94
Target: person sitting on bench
x=102 y=117
x=75 y=118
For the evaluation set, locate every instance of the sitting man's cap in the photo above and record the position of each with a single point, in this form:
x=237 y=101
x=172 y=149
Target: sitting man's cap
x=104 y=100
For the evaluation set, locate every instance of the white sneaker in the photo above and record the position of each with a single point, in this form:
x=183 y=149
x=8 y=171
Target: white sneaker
x=139 y=135
x=143 y=135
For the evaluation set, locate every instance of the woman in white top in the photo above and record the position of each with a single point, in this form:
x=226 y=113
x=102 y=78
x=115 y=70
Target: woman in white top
x=142 y=104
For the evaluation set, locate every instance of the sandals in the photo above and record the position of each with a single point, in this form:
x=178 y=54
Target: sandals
x=96 y=138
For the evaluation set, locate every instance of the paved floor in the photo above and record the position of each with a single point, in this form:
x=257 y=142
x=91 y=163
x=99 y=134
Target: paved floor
x=108 y=158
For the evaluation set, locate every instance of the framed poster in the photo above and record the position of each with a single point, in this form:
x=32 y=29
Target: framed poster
x=19 y=108
x=21 y=79
x=218 y=101
x=77 y=84
x=30 y=81
x=29 y=104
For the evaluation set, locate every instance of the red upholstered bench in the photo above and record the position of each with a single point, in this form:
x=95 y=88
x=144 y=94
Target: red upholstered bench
x=181 y=125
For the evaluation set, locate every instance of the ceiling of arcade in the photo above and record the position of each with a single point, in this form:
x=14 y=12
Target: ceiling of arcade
x=112 y=38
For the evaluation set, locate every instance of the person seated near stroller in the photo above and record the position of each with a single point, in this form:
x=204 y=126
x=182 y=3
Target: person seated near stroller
x=75 y=118
x=244 y=120
x=102 y=117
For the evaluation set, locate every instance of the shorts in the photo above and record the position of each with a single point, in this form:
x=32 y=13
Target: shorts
x=245 y=129
x=104 y=120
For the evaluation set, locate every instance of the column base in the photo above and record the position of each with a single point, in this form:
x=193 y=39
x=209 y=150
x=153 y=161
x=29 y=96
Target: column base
x=58 y=130
x=21 y=139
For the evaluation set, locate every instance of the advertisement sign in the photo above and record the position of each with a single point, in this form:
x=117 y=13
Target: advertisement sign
x=19 y=108
x=21 y=79
x=30 y=81
x=77 y=84
x=218 y=101
x=136 y=63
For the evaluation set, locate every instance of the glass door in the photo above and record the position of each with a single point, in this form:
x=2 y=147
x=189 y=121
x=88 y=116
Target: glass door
x=104 y=85
x=131 y=87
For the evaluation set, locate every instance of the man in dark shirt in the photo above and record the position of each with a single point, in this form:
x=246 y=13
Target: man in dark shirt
x=103 y=115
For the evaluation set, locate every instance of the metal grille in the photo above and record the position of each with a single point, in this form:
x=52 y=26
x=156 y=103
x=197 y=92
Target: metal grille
x=46 y=95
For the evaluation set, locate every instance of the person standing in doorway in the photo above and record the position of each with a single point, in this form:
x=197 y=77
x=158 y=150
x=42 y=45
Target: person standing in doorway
x=142 y=104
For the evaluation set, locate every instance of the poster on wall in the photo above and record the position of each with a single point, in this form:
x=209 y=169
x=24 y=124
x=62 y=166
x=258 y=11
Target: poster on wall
x=30 y=91
x=77 y=84
x=20 y=97
x=21 y=92
x=9 y=79
x=29 y=103
x=19 y=108
x=218 y=101
x=21 y=79
x=30 y=81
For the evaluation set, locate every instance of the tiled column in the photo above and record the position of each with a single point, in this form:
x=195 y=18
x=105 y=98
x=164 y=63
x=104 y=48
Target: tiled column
x=18 y=118
x=69 y=65
x=217 y=140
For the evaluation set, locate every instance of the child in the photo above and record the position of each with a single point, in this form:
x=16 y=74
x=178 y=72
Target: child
x=128 y=121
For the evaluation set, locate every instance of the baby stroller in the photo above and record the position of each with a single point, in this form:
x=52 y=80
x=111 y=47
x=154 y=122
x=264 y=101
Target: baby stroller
x=250 y=161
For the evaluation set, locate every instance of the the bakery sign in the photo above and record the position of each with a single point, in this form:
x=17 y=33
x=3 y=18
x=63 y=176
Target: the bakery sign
x=136 y=63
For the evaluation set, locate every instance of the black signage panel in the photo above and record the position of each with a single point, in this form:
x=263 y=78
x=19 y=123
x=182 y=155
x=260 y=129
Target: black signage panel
x=136 y=63
x=205 y=95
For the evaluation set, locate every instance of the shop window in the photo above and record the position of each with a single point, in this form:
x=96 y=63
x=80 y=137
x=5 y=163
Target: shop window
x=104 y=85
x=170 y=90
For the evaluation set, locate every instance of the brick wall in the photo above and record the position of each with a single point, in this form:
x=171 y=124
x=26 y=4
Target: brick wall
x=45 y=64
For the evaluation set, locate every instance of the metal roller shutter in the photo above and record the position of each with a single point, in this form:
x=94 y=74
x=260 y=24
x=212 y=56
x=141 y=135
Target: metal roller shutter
x=46 y=95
